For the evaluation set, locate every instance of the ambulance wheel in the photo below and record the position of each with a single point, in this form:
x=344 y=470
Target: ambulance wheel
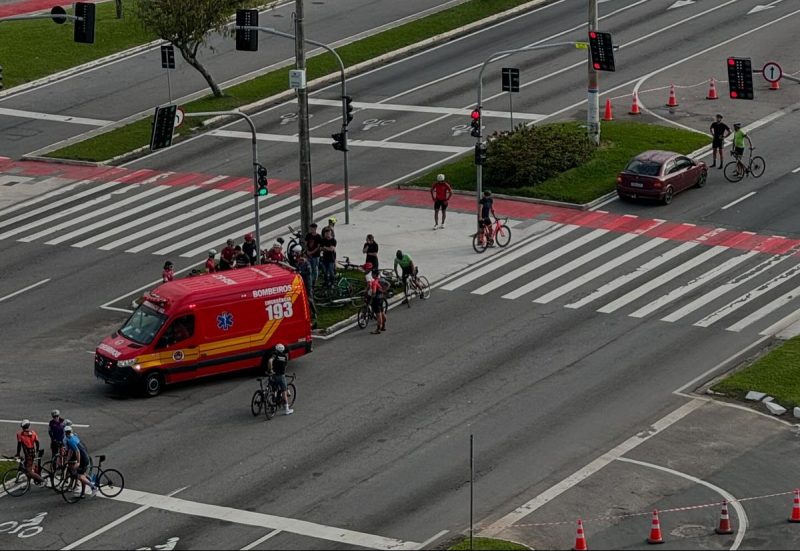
x=153 y=384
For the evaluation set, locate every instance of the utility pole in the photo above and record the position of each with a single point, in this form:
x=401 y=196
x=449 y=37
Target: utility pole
x=306 y=209
x=592 y=92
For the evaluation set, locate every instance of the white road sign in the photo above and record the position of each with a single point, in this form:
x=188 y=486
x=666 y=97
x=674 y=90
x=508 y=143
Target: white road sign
x=179 y=116
x=772 y=71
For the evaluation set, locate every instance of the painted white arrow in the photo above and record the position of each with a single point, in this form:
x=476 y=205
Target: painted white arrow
x=681 y=3
x=762 y=7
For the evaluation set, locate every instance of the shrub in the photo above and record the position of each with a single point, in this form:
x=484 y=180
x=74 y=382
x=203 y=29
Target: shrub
x=532 y=154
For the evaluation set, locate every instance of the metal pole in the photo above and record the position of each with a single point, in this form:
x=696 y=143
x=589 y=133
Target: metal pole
x=169 y=87
x=471 y=480
x=593 y=88
x=511 y=109
x=255 y=167
x=306 y=208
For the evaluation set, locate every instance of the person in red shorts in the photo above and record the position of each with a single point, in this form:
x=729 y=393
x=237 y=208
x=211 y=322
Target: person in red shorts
x=440 y=194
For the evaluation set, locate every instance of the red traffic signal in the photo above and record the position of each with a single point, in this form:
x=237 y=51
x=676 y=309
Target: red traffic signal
x=476 y=114
x=476 y=123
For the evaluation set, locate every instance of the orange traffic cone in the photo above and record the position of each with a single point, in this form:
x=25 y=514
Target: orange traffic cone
x=635 y=107
x=775 y=85
x=712 y=90
x=724 y=521
x=795 y=517
x=655 y=530
x=607 y=115
x=672 y=101
x=580 y=539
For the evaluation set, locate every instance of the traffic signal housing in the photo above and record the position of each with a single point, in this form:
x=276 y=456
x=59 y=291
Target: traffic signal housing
x=602 y=51
x=348 y=108
x=476 y=123
x=480 y=153
x=263 y=184
x=84 y=29
x=163 y=127
x=740 y=78
x=339 y=141
x=247 y=39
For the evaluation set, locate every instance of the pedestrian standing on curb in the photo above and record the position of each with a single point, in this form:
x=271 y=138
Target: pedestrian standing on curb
x=168 y=274
x=440 y=194
x=313 y=251
x=371 y=250
x=211 y=264
x=249 y=248
x=719 y=131
x=328 y=244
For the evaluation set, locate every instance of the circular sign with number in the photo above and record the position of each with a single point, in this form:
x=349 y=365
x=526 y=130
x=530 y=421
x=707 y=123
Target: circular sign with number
x=179 y=116
x=772 y=71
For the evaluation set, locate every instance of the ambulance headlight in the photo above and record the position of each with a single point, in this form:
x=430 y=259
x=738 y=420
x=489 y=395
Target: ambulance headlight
x=127 y=363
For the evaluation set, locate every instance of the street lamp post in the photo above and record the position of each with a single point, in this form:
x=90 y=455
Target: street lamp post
x=593 y=88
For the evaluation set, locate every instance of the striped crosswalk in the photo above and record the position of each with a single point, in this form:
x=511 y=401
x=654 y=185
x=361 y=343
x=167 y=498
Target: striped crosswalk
x=711 y=279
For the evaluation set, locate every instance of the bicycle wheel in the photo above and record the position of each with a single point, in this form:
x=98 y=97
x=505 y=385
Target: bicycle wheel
x=479 y=242
x=72 y=490
x=257 y=403
x=408 y=292
x=503 y=236
x=731 y=172
x=385 y=305
x=757 y=166
x=16 y=483
x=291 y=393
x=110 y=482
x=424 y=288
x=363 y=317
x=270 y=406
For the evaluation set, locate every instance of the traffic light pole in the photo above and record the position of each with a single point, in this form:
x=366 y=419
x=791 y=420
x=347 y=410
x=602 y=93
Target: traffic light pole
x=255 y=167
x=495 y=56
x=270 y=30
x=593 y=88
x=306 y=206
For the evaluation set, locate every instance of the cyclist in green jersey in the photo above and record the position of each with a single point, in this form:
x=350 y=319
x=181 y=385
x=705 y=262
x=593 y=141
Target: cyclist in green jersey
x=739 y=139
x=407 y=265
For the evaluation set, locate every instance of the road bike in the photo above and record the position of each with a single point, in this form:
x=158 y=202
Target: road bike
x=16 y=482
x=366 y=313
x=416 y=286
x=496 y=232
x=109 y=482
x=270 y=399
x=754 y=166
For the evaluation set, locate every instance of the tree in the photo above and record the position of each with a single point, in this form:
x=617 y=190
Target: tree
x=186 y=25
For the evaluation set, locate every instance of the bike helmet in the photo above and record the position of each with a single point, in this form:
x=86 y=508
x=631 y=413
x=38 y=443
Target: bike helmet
x=276 y=245
x=212 y=252
x=399 y=254
x=487 y=193
x=68 y=429
x=368 y=266
x=297 y=249
x=737 y=125
x=332 y=220
x=25 y=424
x=167 y=265
x=440 y=178
x=67 y=423
x=248 y=236
x=279 y=348
x=55 y=413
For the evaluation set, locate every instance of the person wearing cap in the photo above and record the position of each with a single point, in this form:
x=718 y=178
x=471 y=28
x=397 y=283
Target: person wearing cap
x=78 y=459
x=739 y=139
x=487 y=208
x=249 y=248
x=28 y=444
x=227 y=258
x=440 y=194
x=56 y=432
x=370 y=249
x=275 y=254
x=330 y=226
x=211 y=263
x=168 y=274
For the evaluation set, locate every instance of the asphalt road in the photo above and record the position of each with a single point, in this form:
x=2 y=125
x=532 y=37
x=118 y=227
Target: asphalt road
x=379 y=443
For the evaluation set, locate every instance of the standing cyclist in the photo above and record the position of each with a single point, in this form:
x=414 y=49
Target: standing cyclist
x=28 y=444
x=739 y=139
x=276 y=369
x=78 y=459
x=719 y=131
x=56 y=432
x=408 y=267
x=440 y=193
x=485 y=223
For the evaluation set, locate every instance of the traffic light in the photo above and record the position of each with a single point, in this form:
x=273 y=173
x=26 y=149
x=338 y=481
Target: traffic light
x=163 y=126
x=262 y=190
x=339 y=141
x=480 y=153
x=84 y=29
x=476 y=123
x=247 y=39
x=740 y=77
x=602 y=51
x=348 y=108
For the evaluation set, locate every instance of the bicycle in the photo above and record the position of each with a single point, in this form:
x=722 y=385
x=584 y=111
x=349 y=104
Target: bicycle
x=755 y=165
x=17 y=482
x=366 y=313
x=342 y=292
x=270 y=399
x=416 y=285
x=498 y=230
x=109 y=482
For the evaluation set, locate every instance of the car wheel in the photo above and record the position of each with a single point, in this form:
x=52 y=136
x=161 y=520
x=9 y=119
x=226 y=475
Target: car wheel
x=153 y=384
x=701 y=181
x=668 y=193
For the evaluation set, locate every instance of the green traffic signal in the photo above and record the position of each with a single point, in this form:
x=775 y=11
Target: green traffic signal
x=262 y=189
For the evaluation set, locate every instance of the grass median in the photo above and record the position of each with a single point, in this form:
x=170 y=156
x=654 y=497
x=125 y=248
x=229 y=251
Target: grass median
x=487 y=544
x=6 y=466
x=133 y=136
x=777 y=374
x=620 y=140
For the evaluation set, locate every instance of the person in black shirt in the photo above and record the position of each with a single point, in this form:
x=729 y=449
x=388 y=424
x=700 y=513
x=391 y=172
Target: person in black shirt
x=313 y=251
x=485 y=222
x=371 y=250
x=277 y=373
x=328 y=244
x=249 y=248
x=719 y=131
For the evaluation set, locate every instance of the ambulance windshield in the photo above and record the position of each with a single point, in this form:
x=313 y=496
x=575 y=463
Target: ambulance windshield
x=143 y=325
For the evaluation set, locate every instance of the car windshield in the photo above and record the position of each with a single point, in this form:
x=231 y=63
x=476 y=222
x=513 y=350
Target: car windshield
x=645 y=168
x=143 y=325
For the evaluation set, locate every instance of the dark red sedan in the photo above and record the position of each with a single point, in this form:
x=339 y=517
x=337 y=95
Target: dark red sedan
x=660 y=175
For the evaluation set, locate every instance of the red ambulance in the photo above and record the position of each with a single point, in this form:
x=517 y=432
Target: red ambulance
x=207 y=325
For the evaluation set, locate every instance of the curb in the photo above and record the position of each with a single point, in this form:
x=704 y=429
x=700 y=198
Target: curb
x=548 y=202
x=282 y=96
x=352 y=319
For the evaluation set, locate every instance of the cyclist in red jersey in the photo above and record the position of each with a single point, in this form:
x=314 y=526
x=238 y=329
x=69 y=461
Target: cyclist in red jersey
x=440 y=193
x=375 y=291
x=211 y=263
x=28 y=444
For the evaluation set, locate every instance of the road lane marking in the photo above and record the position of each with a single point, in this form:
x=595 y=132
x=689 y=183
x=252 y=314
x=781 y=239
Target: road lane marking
x=259 y=541
x=796 y=170
x=585 y=472
x=50 y=117
x=432 y=539
x=739 y=200
x=732 y=501
x=461 y=112
x=262 y=520
x=29 y=287
x=765 y=310
x=114 y=523
x=18 y=421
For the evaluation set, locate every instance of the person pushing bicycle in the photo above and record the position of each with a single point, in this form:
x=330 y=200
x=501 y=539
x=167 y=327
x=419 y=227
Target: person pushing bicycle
x=28 y=444
x=276 y=369
x=485 y=222
x=739 y=139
